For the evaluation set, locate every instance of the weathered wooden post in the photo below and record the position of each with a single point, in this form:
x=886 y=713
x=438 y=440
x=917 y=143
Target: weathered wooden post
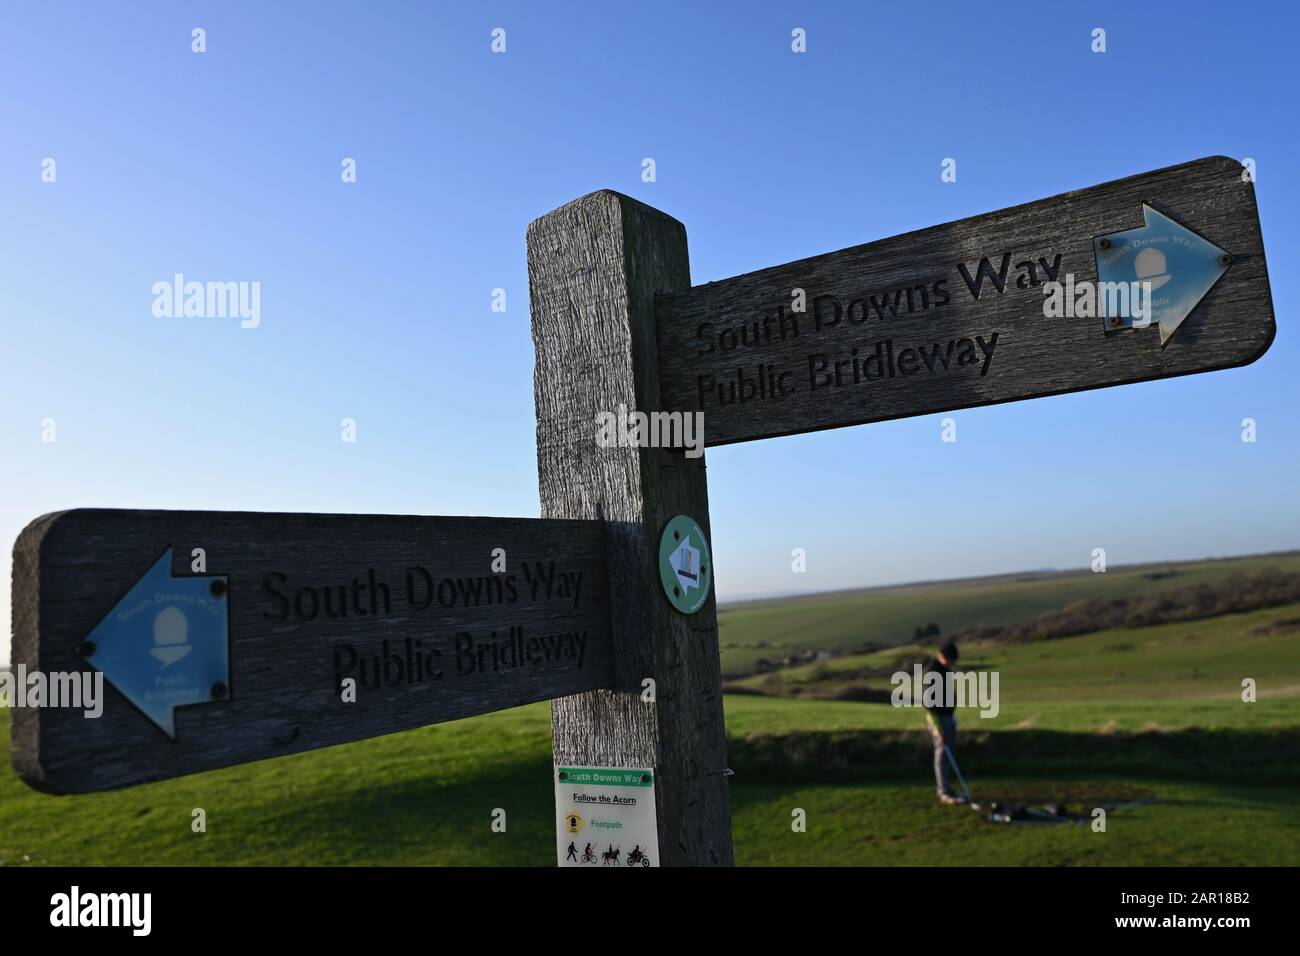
x=594 y=268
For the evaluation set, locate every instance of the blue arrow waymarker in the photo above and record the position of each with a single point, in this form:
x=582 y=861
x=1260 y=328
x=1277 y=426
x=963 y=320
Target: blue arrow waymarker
x=1180 y=266
x=166 y=644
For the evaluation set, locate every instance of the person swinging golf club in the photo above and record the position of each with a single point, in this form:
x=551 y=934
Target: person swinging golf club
x=942 y=721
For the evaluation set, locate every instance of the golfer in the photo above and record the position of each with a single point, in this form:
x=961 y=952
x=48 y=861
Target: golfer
x=943 y=726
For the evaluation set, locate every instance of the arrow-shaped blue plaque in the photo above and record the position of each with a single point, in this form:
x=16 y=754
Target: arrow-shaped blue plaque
x=1180 y=266
x=166 y=644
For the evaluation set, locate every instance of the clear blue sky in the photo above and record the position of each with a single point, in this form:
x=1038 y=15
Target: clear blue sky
x=376 y=296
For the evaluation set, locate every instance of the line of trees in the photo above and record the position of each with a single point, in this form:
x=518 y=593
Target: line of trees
x=1231 y=595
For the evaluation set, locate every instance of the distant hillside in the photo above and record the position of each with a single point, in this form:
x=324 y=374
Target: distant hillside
x=841 y=622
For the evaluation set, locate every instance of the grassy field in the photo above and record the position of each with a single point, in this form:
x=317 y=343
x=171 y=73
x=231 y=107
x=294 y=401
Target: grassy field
x=845 y=620
x=1153 y=713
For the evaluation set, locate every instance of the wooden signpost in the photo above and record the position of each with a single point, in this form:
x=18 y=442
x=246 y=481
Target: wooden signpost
x=953 y=316
x=594 y=267
x=230 y=637
x=248 y=659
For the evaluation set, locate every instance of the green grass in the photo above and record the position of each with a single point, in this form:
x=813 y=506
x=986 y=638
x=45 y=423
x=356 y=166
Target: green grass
x=899 y=825
x=1152 y=713
x=425 y=796
x=844 y=620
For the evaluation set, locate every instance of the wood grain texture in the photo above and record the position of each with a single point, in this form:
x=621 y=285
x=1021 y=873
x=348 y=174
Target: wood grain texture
x=594 y=267
x=1034 y=356
x=71 y=568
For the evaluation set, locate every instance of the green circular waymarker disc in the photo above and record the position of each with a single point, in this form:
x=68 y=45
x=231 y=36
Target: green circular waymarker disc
x=685 y=565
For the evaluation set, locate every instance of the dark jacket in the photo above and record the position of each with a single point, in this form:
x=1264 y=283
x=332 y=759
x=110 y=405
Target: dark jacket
x=938 y=667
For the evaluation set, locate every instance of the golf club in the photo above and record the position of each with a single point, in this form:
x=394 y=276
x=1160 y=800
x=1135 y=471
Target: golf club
x=960 y=779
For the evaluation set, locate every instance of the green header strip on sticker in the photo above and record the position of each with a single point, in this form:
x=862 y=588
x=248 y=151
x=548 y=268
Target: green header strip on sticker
x=606 y=778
